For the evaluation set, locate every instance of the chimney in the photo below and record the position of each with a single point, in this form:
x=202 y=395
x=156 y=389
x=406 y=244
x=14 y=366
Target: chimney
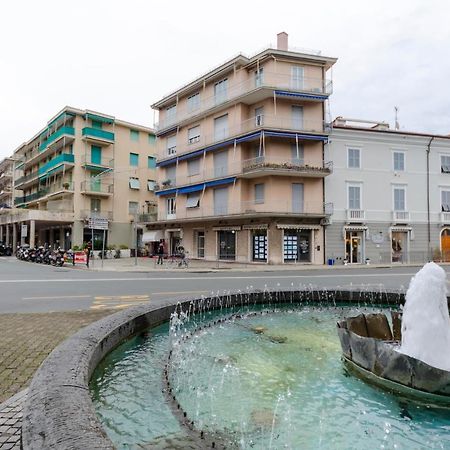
x=282 y=41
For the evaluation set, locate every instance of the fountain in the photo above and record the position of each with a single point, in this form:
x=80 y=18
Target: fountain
x=413 y=358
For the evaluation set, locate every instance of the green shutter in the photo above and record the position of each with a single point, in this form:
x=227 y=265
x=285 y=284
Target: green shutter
x=151 y=138
x=97 y=124
x=134 y=159
x=151 y=162
x=134 y=135
x=96 y=155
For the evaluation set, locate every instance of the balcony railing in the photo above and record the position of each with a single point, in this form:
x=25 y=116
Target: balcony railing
x=60 y=187
x=96 y=187
x=356 y=215
x=262 y=165
x=89 y=161
x=400 y=216
x=248 y=208
x=445 y=217
x=59 y=160
x=257 y=123
x=104 y=214
x=63 y=131
x=26 y=178
x=96 y=133
x=149 y=217
x=269 y=80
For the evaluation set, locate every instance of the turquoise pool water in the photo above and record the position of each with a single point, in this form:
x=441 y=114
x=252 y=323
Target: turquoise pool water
x=266 y=381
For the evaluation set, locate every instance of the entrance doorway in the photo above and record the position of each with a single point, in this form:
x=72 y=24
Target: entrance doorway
x=399 y=243
x=226 y=244
x=259 y=245
x=354 y=247
x=445 y=245
x=297 y=246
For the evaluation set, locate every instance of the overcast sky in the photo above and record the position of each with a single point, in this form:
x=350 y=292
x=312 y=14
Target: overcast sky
x=118 y=57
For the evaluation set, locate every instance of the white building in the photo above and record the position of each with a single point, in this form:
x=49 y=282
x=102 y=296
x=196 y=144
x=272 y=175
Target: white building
x=391 y=194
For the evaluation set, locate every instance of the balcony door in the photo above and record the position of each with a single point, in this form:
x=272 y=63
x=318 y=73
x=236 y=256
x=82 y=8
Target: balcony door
x=297 y=77
x=297 y=197
x=297 y=117
x=221 y=164
x=221 y=128
x=220 y=201
x=95 y=183
x=96 y=155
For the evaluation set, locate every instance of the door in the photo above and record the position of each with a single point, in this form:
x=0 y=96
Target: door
x=200 y=238
x=353 y=247
x=399 y=243
x=297 y=117
x=297 y=246
x=259 y=245
x=95 y=183
x=297 y=198
x=221 y=164
x=96 y=155
x=226 y=243
x=297 y=77
x=259 y=117
x=220 y=201
x=297 y=154
x=221 y=128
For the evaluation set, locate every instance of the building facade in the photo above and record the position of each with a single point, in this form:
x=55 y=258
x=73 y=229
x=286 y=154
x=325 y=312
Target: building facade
x=6 y=183
x=82 y=165
x=241 y=160
x=391 y=194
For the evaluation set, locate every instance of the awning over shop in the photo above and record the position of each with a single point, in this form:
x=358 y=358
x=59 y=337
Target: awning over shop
x=355 y=228
x=256 y=226
x=152 y=236
x=401 y=229
x=230 y=228
x=298 y=226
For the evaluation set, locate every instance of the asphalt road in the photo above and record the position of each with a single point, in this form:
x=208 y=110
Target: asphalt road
x=27 y=287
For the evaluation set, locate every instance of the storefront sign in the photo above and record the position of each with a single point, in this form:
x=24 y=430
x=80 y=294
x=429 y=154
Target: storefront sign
x=80 y=258
x=24 y=231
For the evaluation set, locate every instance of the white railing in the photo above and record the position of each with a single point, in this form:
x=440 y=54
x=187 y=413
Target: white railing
x=400 y=216
x=356 y=215
x=269 y=80
x=445 y=218
x=253 y=124
x=104 y=161
x=97 y=187
x=247 y=208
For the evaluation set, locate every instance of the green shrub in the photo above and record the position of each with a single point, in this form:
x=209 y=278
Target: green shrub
x=123 y=247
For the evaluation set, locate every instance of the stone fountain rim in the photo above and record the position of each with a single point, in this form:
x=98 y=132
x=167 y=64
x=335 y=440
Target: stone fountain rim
x=59 y=411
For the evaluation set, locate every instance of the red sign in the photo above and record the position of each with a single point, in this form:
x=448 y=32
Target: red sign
x=80 y=258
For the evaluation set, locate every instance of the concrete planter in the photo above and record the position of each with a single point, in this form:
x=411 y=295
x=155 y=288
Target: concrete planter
x=125 y=253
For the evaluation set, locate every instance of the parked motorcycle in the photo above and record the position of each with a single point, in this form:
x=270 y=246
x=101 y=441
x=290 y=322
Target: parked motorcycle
x=5 y=250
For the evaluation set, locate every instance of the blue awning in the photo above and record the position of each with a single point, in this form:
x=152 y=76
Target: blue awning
x=167 y=192
x=220 y=182
x=189 y=189
x=309 y=137
x=168 y=131
x=297 y=95
x=191 y=155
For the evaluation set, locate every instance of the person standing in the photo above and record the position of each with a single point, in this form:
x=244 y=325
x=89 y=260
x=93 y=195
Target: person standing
x=160 y=253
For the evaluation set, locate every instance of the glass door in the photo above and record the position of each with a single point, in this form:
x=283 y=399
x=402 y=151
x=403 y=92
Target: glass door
x=226 y=243
x=353 y=247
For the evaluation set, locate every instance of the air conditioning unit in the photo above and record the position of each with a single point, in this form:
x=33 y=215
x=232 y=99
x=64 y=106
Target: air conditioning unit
x=326 y=221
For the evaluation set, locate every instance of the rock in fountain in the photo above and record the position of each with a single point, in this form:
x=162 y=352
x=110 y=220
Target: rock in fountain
x=426 y=320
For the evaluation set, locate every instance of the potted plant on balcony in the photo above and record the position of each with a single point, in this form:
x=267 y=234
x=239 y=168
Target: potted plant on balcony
x=166 y=183
x=66 y=185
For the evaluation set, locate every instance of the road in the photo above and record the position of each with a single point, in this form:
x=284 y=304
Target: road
x=27 y=287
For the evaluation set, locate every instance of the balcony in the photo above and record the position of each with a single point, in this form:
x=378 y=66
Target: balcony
x=46 y=192
x=147 y=218
x=63 y=132
x=97 y=188
x=252 y=91
x=104 y=214
x=400 y=217
x=248 y=209
x=445 y=218
x=90 y=162
x=356 y=215
x=97 y=135
x=26 y=178
x=263 y=122
x=56 y=216
x=56 y=164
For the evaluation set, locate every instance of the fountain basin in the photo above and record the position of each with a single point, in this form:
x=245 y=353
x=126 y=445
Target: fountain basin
x=370 y=350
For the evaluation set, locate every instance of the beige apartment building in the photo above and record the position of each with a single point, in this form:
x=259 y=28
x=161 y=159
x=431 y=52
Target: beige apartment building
x=6 y=184
x=240 y=160
x=83 y=165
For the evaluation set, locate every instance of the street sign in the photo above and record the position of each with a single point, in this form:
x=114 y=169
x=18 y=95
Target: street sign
x=98 y=223
x=24 y=231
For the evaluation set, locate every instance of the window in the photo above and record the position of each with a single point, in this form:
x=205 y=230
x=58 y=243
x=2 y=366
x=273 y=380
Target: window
x=193 y=200
x=399 y=199
x=172 y=145
x=259 y=116
x=399 y=161
x=151 y=139
x=354 y=158
x=193 y=102
x=171 y=175
x=297 y=154
x=297 y=76
x=96 y=154
x=171 y=113
x=297 y=117
x=96 y=204
x=220 y=160
x=354 y=197
x=259 y=77
x=193 y=166
x=151 y=162
x=220 y=91
x=171 y=205
x=194 y=134
x=200 y=238
x=445 y=201
x=134 y=183
x=445 y=163
x=97 y=124
x=133 y=207
x=134 y=159
x=220 y=201
x=151 y=185
x=221 y=127
x=259 y=193
x=134 y=135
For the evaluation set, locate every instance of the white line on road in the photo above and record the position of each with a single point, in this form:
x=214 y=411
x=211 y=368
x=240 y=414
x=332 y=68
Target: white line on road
x=253 y=277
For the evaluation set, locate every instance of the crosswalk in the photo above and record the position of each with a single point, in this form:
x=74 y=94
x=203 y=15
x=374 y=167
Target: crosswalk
x=118 y=301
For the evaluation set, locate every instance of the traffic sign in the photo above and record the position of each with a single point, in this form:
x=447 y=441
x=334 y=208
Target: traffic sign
x=98 y=223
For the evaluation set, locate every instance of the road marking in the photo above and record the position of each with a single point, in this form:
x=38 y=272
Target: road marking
x=118 y=301
x=180 y=292
x=252 y=277
x=56 y=297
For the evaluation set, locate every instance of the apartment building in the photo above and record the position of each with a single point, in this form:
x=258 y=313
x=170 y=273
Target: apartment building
x=391 y=194
x=241 y=159
x=82 y=165
x=6 y=183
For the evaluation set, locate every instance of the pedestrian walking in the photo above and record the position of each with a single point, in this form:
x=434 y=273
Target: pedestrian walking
x=160 y=253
